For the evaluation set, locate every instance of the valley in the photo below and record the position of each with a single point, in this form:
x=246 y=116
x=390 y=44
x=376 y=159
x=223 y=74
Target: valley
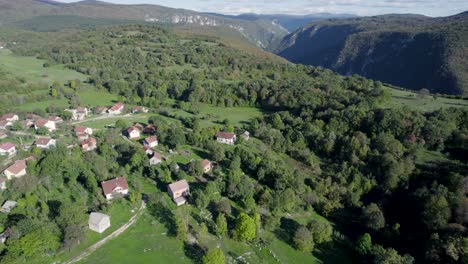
x=200 y=146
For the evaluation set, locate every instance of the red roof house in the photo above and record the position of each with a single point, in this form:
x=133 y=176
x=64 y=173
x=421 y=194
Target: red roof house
x=114 y=187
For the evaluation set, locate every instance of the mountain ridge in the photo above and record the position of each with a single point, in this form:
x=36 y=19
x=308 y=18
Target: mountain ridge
x=411 y=51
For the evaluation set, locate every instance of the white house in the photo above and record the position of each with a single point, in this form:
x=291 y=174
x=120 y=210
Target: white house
x=156 y=159
x=133 y=133
x=178 y=191
x=8 y=206
x=9 y=117
x=89 y=144
x=84 y=130
x=114 y=187
x=246 y=135
x=151 y=141
x=7 y=149
x=79 y=113
x=226 y=138
x=116 y=109
x=206 y=165
x=17 y=170
x=139 y=109
x=98 y=222
x=50 y=125
x=45 y=143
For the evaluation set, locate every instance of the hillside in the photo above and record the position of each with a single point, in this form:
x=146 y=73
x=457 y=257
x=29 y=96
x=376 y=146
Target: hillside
x=260 y=32
x=410 y=51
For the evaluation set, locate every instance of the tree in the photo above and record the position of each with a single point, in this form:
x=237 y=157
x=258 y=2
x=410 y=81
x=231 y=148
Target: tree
x=373 y=217
x=364 y=244
x=221 y=228
x=303 y=239
x=214 y=256
x=42 y=131
x=436 y=212
x=322 y=231
x=246 y=229
x=423 y=93
x=121 y=124
x=389 y=256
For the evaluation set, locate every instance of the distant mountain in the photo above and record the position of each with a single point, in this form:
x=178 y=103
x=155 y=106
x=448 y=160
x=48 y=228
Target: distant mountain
x=411 y=51
x=293 y=22
x=260 y=32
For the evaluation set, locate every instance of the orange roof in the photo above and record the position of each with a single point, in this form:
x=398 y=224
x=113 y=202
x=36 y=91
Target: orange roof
x=110 y=185
x=225 y=135
x=42 y=141
x=17 y=167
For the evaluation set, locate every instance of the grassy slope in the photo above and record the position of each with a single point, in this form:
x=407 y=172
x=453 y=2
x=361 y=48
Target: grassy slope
x=406 y=98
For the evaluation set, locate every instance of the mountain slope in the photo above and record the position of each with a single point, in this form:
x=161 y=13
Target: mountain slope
x=258 y=32
x=411 y=51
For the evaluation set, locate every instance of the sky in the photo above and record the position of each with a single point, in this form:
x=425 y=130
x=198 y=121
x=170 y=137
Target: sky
x=301 y=7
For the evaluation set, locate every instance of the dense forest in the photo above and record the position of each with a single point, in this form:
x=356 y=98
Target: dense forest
x=409 y=51
x=363 y=167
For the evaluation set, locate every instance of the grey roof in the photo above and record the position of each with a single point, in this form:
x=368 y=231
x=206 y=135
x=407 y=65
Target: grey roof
x=96 y=218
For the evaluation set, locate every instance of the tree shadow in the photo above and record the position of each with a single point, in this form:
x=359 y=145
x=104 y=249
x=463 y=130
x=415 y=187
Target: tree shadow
x=194 y=251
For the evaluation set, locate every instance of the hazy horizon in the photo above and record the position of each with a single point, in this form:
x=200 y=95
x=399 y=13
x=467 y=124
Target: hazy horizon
x=303 y=7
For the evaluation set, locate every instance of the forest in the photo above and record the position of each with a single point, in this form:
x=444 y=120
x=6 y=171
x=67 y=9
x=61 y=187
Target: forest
x=369 y=170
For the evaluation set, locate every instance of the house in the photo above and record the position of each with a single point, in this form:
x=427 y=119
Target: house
x=139 y=109
x=8 y=206
x=148 y=150
x=83 y=130
x=156 y=159
x=89 y=144
x=178 y=191
x=28 y=123
x=151 y=141
x=45 y=143
x=115 y=187
x=3 y=134
x=17 y=170
x=101 y=110
x=246 y=135
x=45 y=123
x=56 y=119
x=5 y=124
x=116 y=109
x=133 y=132
x=7 y=149
x=79 y=113
x=226 y=138
x=98 y=222
x=149 y=129
x=9 y=117
x=2 y=183
x=206 y=165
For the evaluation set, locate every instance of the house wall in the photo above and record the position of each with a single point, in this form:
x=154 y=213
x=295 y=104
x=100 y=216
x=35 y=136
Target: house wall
x=10 y=175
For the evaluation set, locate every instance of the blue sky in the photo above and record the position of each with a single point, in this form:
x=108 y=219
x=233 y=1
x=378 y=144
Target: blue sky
x=360 y=7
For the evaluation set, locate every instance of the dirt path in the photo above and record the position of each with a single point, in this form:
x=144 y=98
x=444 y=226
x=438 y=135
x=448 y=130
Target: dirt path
x=114 y=234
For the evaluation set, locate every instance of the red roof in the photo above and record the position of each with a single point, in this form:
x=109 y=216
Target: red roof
x=7 y=116
x=89 y=141
x=117 y=107
x=55 y=118
x=17 y=167
x=7 y=146
x=157 y=155
x=206 y=163
x=225 y=135
x=149 y=129
x=42 y=141
x=152 y=139
x=4 y=123
x=41 y=122
x=80 y=129
x=131 y=129
x=2 y=180
x=81 y=109
x=110 y=185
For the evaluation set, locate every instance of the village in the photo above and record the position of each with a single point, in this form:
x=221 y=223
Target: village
x=47 y=133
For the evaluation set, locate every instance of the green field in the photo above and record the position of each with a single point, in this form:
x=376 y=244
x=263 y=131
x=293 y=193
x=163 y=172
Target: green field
x=33 y=71
x=402 y=98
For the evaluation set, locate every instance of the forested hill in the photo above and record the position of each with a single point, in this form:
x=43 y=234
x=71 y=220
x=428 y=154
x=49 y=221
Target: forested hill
x=260 y=32
x=328 y=147
x=411 y=51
